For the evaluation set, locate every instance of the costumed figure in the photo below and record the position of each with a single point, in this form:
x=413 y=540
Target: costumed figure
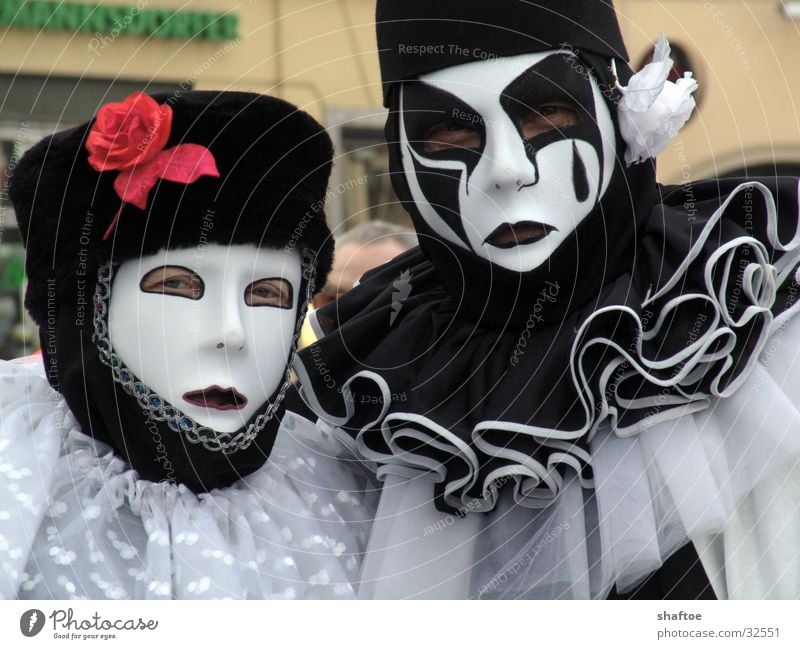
x=173 y=245
x=566 y=389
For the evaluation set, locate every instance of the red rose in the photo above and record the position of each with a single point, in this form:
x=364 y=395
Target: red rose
x=129 y=138
x=129 y=133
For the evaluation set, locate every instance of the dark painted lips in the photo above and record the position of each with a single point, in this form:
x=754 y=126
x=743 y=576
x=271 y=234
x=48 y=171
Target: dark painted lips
x=510 y=235
x=216 y=397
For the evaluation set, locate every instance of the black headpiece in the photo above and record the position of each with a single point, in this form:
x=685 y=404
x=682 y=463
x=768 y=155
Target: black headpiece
x=420 y=36
x=273 y=160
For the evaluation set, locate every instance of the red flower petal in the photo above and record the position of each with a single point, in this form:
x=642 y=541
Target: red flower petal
x=128 y=133
x=134 y=185
x=186 y=163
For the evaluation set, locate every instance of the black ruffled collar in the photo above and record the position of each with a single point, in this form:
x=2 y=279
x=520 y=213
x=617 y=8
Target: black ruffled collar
x=418 y=385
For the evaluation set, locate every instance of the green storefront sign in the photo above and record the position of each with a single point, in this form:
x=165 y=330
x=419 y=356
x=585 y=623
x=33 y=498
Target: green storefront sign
x=136 y=19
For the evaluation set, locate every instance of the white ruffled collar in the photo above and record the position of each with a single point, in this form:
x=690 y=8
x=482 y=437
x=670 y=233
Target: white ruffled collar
x=296 y=528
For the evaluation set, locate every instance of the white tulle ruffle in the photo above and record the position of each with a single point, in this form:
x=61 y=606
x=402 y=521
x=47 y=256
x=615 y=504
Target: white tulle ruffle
x=727 y=479
x=76 y=522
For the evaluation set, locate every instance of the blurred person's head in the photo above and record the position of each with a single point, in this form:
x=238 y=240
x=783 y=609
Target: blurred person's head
x=359 y=250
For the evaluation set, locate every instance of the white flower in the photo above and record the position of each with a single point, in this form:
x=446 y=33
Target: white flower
x=652 y=110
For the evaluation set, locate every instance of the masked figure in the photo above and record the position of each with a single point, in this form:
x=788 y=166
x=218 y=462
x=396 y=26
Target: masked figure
x=173 y=246
x=558 y=388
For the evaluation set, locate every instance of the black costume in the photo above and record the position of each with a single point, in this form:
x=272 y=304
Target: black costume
x=504 y=389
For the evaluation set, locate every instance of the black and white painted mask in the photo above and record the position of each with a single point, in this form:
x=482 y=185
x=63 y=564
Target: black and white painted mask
x=505 y=157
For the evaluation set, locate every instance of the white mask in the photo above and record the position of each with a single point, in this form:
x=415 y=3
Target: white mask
x=506 y=157
x=208 y=329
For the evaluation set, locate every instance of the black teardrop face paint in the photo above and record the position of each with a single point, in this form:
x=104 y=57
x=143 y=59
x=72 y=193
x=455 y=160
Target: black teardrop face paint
x=506 y=157
x=579 y=179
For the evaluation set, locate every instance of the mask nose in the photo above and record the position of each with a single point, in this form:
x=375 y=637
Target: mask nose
x=510 y=166
x=231 y=334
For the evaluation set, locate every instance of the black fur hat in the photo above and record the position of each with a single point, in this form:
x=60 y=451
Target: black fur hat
x=273 y=162
x=420 y=36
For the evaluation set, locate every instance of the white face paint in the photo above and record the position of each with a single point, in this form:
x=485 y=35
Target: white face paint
x=506 y=157
x=208 y=330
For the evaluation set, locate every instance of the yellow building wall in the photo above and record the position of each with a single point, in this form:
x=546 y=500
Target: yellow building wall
x=317 y=54
x=321 y=54
x=747 y=54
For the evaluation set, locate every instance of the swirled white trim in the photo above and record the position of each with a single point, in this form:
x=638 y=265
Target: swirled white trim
x=535 y=485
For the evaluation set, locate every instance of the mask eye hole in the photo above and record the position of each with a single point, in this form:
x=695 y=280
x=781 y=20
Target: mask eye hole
x=173 y=280
x=548 y=117
x=445 y=136
x=272 y=291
